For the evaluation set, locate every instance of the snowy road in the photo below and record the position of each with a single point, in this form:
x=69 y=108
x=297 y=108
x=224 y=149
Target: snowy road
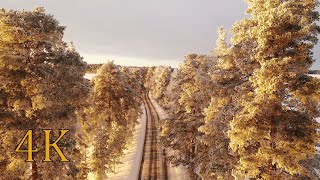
x=153 y=164
x=131 y=161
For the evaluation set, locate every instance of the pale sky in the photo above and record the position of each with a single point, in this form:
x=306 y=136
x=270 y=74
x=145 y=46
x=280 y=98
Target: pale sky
x=141 y=32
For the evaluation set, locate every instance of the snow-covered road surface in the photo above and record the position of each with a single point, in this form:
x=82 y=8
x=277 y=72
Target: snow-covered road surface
x=153 y=165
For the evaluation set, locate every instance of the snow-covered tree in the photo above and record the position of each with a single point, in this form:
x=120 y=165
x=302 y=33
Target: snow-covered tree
x=276 y=129
x=172 y=92
x=218 y=161
x=109 y=118
x=180 y=130
x=40 y=85
x=149 y=77
x=157 y=80
x=162 y=81
x=135 y=79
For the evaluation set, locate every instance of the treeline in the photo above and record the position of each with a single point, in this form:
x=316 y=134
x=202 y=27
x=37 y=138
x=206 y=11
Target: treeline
x=93 y=68
x=248 y=109
x=314 y=72
x=42 y=86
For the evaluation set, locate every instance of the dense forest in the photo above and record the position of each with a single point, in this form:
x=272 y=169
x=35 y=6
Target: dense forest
x=246 y=110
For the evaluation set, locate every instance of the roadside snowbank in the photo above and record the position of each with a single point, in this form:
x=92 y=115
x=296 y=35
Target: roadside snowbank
x=174 y=172
x=130 y=167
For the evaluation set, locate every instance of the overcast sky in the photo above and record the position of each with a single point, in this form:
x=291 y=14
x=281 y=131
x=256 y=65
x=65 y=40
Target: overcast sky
x=141 y=32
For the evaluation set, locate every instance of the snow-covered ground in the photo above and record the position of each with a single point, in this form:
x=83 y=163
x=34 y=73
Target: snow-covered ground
x=130 y=163
x=89 y=76
x=130 y=167
x=315 y=75
x=174 y=173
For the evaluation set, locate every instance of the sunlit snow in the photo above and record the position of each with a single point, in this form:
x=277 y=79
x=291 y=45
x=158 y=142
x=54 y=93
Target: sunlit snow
x=130 y=162
x=89 y=76
x=315 y=75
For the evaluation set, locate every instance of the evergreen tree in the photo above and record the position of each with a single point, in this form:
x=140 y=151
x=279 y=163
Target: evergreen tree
x=157 y=81
x=109 y=119
x=41 y=82
x=218 y=161
x=149 y=78
x=172 y=92
x=135 y=80
x=180 y=130
x=276 y=128
x=162 y=80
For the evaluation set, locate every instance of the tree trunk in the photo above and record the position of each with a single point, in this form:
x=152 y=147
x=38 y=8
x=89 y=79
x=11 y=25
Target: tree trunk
x=35 y=174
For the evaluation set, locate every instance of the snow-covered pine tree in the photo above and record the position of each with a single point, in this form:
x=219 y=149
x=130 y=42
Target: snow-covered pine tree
x=158 y=80
x=276 y=129
x=172 y=92
x=111 y=113
x=218 y=161
x=196 y=83
x=135 y=80
x=149 y=80
x=41 y=82
x=132 y=103
x=180 y=131
x=162 y=81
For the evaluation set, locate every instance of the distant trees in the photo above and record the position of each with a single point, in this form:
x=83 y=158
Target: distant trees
x=161 y=82
x=314 y=72
x=110 y=118
x=135 y=79
x=157 y=79
x=93 y=68
x=41 y=81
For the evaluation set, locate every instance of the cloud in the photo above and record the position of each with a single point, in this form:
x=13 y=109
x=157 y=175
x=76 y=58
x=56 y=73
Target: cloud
x=141 y=29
